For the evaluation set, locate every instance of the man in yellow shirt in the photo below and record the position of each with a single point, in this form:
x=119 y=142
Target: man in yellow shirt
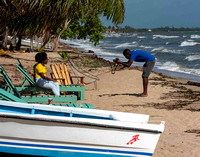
x=40 y=74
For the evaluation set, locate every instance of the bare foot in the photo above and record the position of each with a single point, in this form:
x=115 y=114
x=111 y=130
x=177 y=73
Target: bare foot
x=143 y=95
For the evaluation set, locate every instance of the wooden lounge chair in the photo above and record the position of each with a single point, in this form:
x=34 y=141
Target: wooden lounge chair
x=34 y=98
x=60 y=72
x=78 y=90
x=4 y=95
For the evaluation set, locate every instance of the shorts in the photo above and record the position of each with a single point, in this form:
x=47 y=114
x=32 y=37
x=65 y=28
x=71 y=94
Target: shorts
x=147 y=68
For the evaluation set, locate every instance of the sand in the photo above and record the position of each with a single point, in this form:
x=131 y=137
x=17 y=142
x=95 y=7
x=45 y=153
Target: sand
x=170 y=100
x=119 y=92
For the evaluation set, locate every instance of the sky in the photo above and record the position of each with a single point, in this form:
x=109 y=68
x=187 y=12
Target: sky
x=160 y=13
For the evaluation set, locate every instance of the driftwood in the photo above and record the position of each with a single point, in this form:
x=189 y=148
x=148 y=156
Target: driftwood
x=193 y=83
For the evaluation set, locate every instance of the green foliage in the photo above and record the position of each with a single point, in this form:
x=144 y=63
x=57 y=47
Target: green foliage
x=91 y=63
x=89 y=26
x=57 y=61
x=40 y=50
x=63 y=54
x=95 y=64
x=78 y=65
x=29 y=18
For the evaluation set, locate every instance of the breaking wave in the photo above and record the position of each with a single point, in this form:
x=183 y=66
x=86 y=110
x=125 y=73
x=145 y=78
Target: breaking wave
x=125 y=45
x=189 y=43
x=193 y=58
x=164 y=36
x=195 y=36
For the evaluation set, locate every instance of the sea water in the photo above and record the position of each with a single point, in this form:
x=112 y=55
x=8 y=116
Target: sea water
x=177 y=53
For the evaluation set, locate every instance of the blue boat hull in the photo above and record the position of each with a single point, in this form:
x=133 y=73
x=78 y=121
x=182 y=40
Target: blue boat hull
x=63 y=151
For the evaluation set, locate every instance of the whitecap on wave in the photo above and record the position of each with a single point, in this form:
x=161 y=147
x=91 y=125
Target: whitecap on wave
x=109 y=35
x=195 y=36
x=125 y=45
x=146 y=47
x=164 y=36
x=141 y=37
x=157 y=49
x=171 y=66
x=167 y=50
x=189 y=43
x=170 y=43
x=193 y=57
x=131 y=35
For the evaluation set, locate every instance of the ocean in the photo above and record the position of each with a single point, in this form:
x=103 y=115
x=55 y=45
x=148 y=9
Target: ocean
x=177 y=53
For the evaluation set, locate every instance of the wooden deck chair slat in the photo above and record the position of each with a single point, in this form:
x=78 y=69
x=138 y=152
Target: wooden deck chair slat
x=64 y=75
x=55 y=74
x=59 y=73
x=67 y=74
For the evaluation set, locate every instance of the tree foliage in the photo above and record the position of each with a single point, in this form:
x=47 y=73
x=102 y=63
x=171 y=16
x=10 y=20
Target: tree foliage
x=34 y=17
x=89 y=26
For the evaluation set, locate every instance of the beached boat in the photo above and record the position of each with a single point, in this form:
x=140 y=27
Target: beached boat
x=44 y=130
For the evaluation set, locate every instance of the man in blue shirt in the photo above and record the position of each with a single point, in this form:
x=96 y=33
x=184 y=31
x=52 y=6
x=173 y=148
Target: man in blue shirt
x=140 y=56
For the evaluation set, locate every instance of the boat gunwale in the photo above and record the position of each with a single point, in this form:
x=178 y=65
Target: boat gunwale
x=115 y=115
x=91 y=122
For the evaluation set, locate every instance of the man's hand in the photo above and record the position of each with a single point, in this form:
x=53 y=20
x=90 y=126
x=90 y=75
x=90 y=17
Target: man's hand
x=116 y=60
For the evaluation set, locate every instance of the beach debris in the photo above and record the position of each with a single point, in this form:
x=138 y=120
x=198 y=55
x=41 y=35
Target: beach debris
x=196 y=131
x=193 y=83
x=4 y=53
x=90 y=51
x=113 y=67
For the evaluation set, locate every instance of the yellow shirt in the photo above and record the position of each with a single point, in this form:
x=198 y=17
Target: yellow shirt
x=39 y=68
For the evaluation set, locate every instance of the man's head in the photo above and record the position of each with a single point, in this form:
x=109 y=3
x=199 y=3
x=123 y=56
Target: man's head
x=127 y=53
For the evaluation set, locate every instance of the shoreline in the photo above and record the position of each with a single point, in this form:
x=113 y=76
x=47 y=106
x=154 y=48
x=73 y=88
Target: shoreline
x=189 y=77
x=181 y=75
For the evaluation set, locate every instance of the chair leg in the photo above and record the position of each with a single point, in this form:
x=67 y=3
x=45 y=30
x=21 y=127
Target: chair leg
x=82 y=97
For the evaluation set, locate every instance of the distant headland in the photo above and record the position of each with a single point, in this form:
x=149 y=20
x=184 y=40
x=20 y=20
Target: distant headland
x=129 y=29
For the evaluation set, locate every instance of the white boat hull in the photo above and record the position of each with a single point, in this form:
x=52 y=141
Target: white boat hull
x=44 y=135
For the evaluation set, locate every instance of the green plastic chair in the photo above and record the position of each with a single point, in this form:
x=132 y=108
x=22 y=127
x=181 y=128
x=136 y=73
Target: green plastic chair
x=4 y=95
x=78 y=90
x=34 y=98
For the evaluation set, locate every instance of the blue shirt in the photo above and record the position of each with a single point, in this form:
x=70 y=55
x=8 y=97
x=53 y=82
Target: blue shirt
x=141 y=56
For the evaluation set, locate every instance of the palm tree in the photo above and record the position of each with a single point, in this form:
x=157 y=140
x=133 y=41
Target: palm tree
x=37 y=16
x=112 y=9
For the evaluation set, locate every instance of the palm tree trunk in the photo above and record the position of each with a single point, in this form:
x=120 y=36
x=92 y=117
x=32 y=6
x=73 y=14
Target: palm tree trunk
x=57 y=38
x=18 y=46
x=13 y=42
x=5 y=39
x=31 y=44
x=46 y=38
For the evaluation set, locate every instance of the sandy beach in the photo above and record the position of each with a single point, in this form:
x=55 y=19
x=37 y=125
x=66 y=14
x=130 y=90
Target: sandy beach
x=170 y=99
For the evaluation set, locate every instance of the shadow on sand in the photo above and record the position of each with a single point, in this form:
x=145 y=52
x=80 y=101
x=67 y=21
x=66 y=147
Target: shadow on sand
x=128 y=94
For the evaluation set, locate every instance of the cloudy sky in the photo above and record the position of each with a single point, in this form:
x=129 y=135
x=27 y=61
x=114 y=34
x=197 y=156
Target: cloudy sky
x=157 y=13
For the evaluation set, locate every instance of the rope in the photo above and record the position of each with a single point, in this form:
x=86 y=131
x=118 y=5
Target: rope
x=83 y=72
